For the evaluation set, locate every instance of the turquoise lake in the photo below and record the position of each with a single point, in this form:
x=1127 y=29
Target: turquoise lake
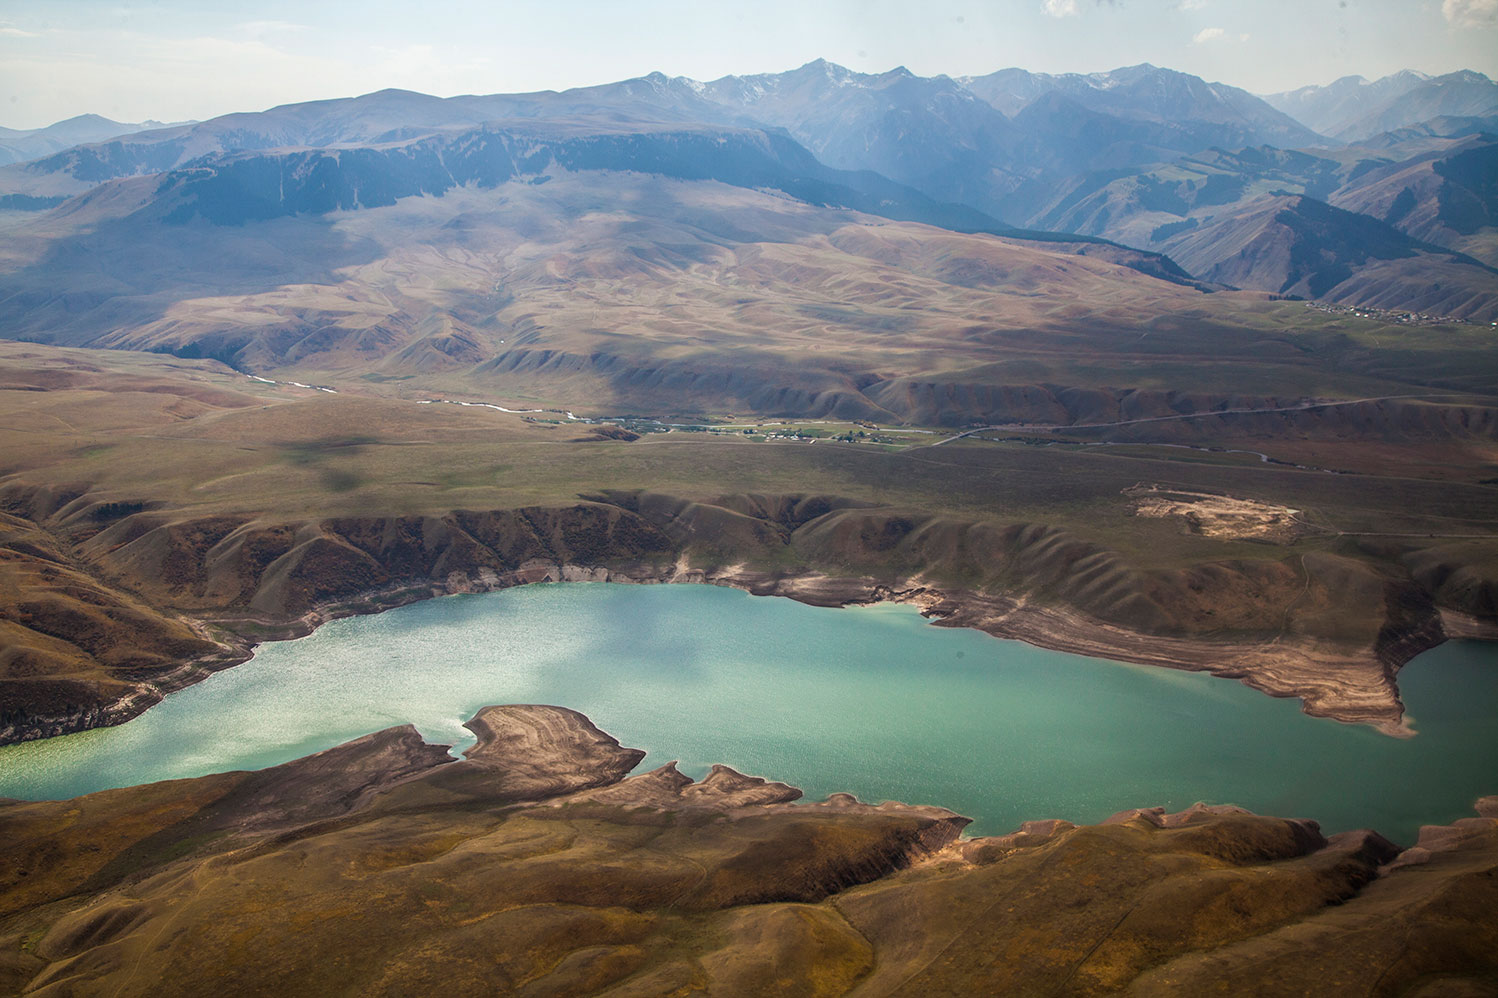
x=870 y=700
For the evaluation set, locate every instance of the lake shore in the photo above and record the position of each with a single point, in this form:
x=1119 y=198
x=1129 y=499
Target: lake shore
x=1354 y=688
x=544 y=833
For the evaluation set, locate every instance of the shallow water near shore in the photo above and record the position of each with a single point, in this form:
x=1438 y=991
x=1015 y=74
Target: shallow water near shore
x=870 y=700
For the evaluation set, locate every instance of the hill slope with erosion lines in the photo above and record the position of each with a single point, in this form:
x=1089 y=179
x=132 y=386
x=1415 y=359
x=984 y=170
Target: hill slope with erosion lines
x=971 y=151
x=1449 y=197
x=162 y=514
x=620 y=293
x=537 y=865
x=1334 y=212
x=1299 y=246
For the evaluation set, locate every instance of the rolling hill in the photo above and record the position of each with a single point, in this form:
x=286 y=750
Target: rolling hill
x=20 y=144
x=639 y=290
x=1421 y=208
x=398 y=235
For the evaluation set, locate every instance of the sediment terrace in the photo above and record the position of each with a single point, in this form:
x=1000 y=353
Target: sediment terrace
x=536 y=865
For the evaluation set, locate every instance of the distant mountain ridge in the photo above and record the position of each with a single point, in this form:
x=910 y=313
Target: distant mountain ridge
x=933 y=133
x=19 y=145
x=234 y=188
x=1150 y=93
x=1308 y=223
x=1140 y=156
x=1352 y=109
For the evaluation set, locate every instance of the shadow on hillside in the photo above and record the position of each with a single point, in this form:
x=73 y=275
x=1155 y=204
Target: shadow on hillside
x=125 y=274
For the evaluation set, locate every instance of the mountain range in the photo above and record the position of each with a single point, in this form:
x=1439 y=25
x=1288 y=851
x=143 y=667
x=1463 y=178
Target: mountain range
x=19 y=145
x=1143 y=170
x=933 y=133
x=1353 y=109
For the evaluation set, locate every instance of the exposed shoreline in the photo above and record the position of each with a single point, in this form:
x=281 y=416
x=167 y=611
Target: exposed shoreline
x=1330 y=684
x=545 y=830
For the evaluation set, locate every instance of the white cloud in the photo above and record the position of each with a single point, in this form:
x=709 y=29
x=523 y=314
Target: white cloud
x=1206 y=35
x=258 y=28
x=1064 y=8
x=1471 y=13
x=17 y=33
x=1192 y=4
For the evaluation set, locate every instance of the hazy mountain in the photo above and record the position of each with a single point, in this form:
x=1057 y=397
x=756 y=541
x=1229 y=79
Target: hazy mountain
x=1296 y=245
x=928 y=132
x=1170 y=196
x=19 y=145
x=1086 y=143
x=384 y=117
x=235 y=188
x=1448 y=197
x=372 y=119
x=935 y=134
x=1256 y=218
x=959 y=140
x=1197 y=114
x=1455 y=95
x=1412 y=137
x=1099 y=155
x=633 y=288
x=1353 y=109
x=955 y=141
x=1329 y=109
x=1435 y=189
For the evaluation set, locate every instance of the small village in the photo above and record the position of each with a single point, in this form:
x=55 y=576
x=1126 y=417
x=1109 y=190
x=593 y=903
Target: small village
x=1385 y=315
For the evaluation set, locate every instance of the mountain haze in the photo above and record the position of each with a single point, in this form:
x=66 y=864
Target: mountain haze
x=19 y=145
x=1138 y=157
x=573 y=280
x=937 y=134
x=1197 y=113
x=1203 y=210
x=1353 y=109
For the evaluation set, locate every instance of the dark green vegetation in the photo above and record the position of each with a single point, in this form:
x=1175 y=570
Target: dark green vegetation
x=535 y=867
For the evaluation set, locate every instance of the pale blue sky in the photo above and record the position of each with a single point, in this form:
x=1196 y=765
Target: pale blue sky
x=173 y=59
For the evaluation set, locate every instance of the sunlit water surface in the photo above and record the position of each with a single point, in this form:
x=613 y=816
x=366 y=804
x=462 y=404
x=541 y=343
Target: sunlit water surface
x=870 y=700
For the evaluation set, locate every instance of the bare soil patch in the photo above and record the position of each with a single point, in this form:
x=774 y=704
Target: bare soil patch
x=1219 y=516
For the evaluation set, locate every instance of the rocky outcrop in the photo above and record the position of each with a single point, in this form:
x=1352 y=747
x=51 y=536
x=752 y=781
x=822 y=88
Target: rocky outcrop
x=723 y=789
x=537 y=866
x=538 y=752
